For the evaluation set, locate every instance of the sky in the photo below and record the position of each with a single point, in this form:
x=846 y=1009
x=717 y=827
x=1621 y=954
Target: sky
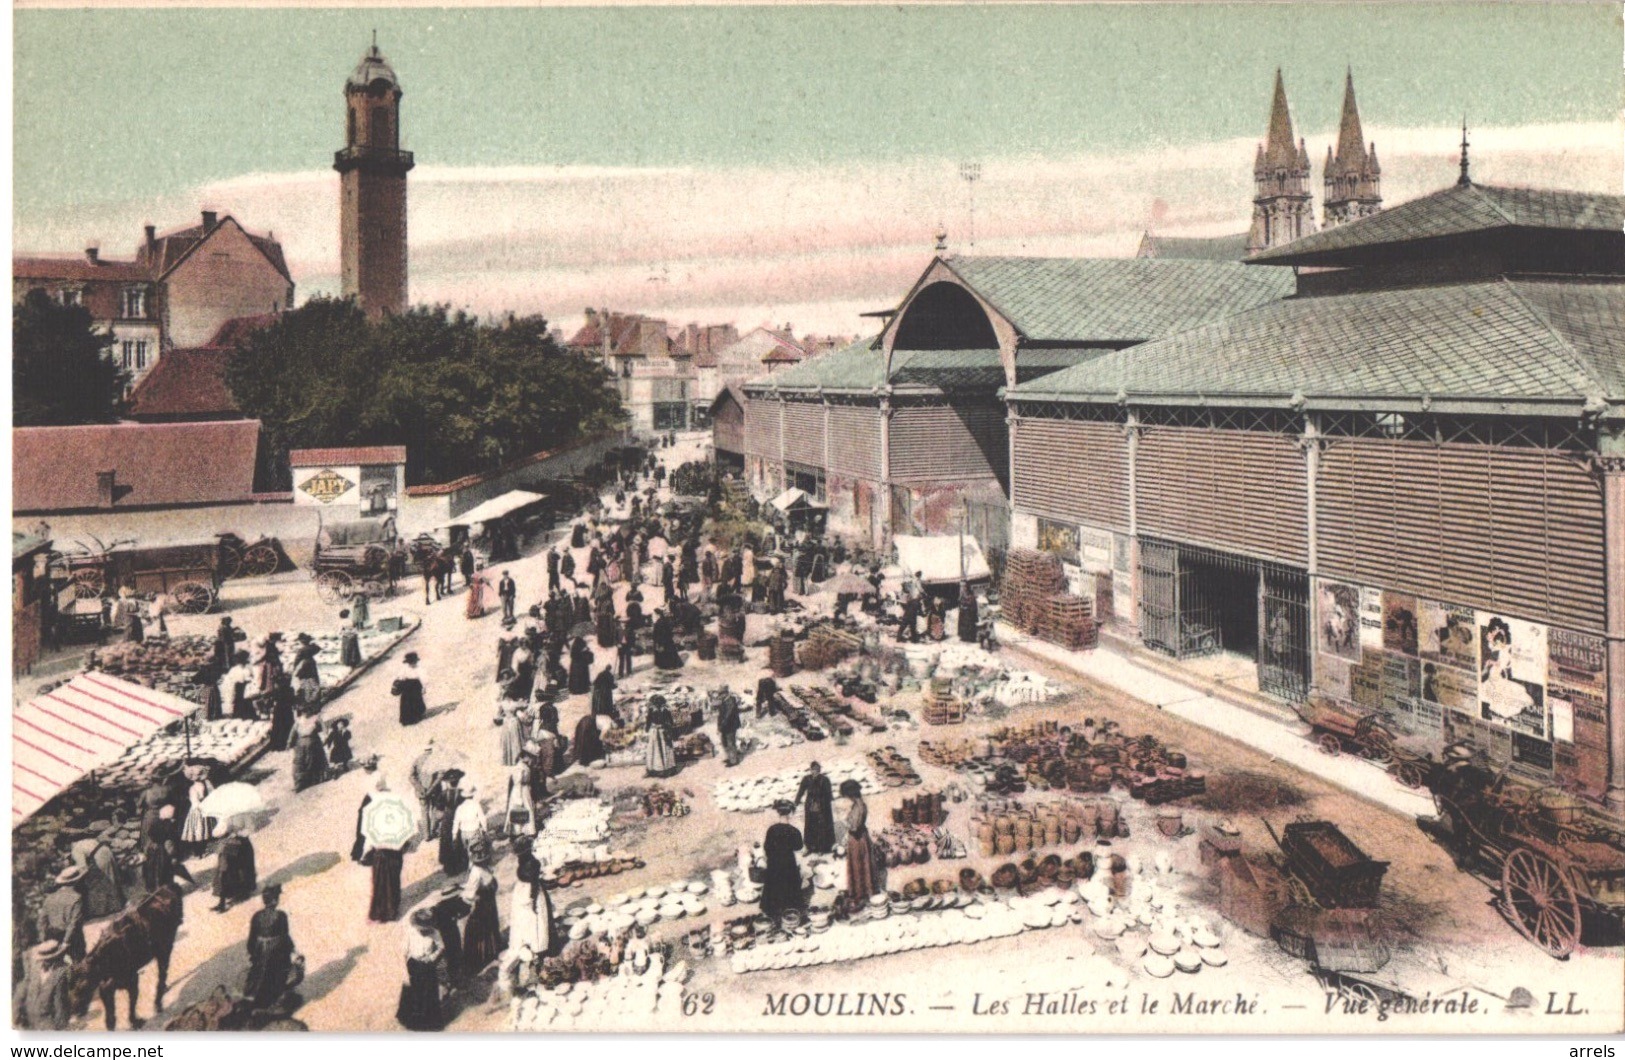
x=785 y=165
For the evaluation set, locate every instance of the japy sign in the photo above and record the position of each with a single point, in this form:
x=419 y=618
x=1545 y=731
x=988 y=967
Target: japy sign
x=327 y=486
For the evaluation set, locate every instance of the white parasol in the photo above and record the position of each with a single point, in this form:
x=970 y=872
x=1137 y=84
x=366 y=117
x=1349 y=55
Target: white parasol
x=231 y=800
x=390 y=821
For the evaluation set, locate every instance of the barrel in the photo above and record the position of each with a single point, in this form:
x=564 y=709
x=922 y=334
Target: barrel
x=1004 y=843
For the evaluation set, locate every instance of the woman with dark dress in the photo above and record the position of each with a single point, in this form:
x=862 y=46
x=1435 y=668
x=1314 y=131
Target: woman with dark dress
x=234 y=874
x=282 y=713
x=482 y=931
x=408 y=689
x=588 y=743
x=665 y=643
x=580 y=668
x=386 y=884
x=270 y=953
x=309 y=756
x=604 y=623
x=453 y=855
x=781 y=879
x=603 y=693
x=523 y=683
x=860 y=864
x=819 y=824
x=660 y=759
x=339 y=754
x=419 y=1006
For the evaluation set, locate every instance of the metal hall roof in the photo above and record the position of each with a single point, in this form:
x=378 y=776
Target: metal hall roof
x=1455 y=211
x=1115 y=300
x=1505 y=344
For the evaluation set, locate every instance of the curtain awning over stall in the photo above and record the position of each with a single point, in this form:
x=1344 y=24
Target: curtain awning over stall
x=497 y=507
x=84 y=725
x=937 y=559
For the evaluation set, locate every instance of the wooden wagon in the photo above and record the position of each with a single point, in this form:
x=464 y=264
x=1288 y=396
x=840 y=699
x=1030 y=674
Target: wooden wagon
x=1336 y=730
x=190 y=575
x=1325 y=868
x=355 y=556
x=1560 y=867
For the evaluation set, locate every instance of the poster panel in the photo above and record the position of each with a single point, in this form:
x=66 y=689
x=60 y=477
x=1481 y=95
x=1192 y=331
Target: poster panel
x=1058 y=538
x=1450 y=688
x=1399 y=625
x=1370 y=619
x=1577 y=690
x=1339 y=632
x=1512 y=674
x=327 y=486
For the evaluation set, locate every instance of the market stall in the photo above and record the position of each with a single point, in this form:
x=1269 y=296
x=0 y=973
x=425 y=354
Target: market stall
x=500 y=521
x=942 y=560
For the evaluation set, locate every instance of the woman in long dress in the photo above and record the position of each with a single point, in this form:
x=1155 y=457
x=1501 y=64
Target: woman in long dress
x=419 y=1006
x=385 y=905
x=818 y=827
x=453 y=855
x=781 y=877
x=477 y=586
x=580 y=667
x=603 y=693
x=530 y=912
x=309 y=756
x=195 y=830
x=661 y=760
x=588 y=743
x=860 y=864
x=235 y=876
x=482 y=931
x=519 y=815
x=408 y=690
x=511 y=739
x=664 y=636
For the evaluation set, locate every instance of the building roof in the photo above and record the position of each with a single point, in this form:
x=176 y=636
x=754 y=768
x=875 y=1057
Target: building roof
x=1092 y=301
x=185 y=383
x=861 y=366
x=732 y=393
x=155 y=464
x=372 y=67
x=1543 y=345
x=172 y=248
x=78 y=270
x=236 y=331
x=1193 y=248
x=353 y=456
x=1457 y=210
x=1280 y=150
x=23 y=545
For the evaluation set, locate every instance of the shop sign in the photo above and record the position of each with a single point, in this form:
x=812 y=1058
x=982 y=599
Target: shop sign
x=326 y=486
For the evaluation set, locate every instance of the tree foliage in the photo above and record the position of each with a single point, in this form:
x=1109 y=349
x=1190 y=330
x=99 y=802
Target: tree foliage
x=62 y=370
x=462 y=396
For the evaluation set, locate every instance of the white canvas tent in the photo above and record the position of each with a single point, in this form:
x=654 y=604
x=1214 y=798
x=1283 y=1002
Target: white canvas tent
x=86 y=724
x=497 y=507
x=937 y=559
x=793 y=498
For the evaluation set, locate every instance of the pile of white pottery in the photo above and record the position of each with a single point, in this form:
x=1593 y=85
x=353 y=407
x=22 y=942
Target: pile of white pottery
x=754 y=794
x=1147 y=927
x=225 y=740
x=580 y=821
x=879 y=935
x=604 y=1002
x=981 y=677
x=642 y=906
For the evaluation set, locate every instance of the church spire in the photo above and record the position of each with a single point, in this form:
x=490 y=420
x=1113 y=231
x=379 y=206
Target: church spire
x=1352 y=178
x=1282 y=210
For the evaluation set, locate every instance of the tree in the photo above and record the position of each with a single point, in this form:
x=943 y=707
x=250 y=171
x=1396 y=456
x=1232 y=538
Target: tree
x=62 y=370
x=462 y=396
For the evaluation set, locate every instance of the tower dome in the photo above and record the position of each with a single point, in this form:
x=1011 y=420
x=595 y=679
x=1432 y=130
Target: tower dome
x=373 y=68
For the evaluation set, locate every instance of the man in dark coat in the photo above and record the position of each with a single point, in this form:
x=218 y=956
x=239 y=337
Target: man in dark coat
x=623 y=650
x=819 y=797
x=553 y=569
x=580 y=668
x=603 y=694
x=665 y=643
x=781 y=880
x=567 y=567
x=465 y=565
x=728 y=722
x=777 y=582
x=967 y=614
x=225 y=644
x=270 y=952
x=507 y=592
x=62 y=914
x=668 y=580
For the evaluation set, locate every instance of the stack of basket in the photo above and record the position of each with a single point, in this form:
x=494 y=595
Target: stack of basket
x=781 y=655
x=827 y=646
x=939 y=705
x=1065 y=620
x=1030 y=577
x=731 y=636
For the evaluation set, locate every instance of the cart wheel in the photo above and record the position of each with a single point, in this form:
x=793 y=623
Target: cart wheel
x=1330 y=744
x=231 y=561
x=259 y=561
x=88 y=584
x=1541 y=902
x=333 y=586
x=1410 y=774
x=192 y=598
x=1378 y=745
x=1356 y=990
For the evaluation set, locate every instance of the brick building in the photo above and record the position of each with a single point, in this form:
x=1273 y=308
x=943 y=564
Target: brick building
x=372 y=189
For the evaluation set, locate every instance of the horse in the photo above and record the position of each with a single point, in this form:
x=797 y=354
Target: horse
x=137 y=937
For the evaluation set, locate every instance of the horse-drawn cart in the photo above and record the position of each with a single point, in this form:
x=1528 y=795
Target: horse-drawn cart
x=1336 y=730
x=1560 y=867
x=189 y=575
x=356 y=556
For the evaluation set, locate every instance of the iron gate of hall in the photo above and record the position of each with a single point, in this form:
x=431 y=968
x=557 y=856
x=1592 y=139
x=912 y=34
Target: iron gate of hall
x=1197 y=601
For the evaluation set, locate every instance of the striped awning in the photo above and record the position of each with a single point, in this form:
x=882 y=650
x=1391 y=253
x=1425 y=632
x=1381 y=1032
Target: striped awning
x=84 y=725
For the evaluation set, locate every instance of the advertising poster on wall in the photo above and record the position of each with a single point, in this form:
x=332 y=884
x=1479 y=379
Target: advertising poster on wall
x=1365 y=682
x=1095 y=549
x=1512 y=674
x=1577 y=690
x=1332 y=676
x=1339 y=633
x=1447 y=634
x=1399 y=623
x=1370 y=619
x=1448 y=687
x=1058 y=538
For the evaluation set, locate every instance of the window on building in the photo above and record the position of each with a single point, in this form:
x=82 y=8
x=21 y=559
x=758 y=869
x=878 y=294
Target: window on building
x=70 y=296
x=809 y=480
x=135 y=302
x=140 y=354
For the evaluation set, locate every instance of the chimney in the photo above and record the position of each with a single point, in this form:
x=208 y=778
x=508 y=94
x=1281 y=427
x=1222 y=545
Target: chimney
x=152 y=238
x=106 y=486
x=93 y=254
x=209 y=218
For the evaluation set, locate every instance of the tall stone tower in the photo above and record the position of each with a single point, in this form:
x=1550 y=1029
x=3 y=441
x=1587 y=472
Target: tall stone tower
x=372 y=175
x=1353 y=179
x=1282 y=210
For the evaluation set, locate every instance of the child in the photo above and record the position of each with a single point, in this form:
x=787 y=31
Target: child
x=339 y=755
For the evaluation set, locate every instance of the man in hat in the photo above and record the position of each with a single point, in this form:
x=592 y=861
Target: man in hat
x=62 y=914
x=553 y=569
x=507 y=592
x=270 y=952
x=465 y=565
x=104 y=894
x=625 y=646
x=40 y=1000
x=728 y=723
x=307 y=680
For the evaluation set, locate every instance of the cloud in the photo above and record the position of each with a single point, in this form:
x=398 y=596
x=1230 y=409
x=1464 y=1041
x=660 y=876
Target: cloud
x=814 y=247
